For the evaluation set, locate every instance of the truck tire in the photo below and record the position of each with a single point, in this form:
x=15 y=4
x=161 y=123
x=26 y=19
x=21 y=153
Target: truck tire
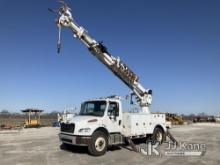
x=158 y=135
x=98 y=144
x=65 y=146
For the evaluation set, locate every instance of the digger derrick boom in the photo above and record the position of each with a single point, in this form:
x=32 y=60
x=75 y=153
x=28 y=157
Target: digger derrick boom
x=120 y=69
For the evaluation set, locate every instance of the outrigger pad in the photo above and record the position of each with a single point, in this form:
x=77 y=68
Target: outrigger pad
x=171 y=137
x=133 y=146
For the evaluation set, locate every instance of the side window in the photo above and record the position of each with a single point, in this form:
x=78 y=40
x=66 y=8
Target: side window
x=113 y=109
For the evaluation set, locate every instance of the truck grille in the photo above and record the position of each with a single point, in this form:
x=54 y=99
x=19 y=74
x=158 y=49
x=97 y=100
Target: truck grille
x=67 y=127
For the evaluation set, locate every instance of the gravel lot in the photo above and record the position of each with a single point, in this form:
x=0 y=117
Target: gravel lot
x=42 y=147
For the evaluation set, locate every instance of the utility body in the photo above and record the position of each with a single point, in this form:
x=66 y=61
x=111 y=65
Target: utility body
x=101 y=122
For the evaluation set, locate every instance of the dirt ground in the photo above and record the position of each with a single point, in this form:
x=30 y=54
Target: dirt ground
x=41 y=146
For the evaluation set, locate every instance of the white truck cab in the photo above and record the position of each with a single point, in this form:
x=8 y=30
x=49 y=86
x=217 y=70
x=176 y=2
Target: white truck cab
x=102 y=123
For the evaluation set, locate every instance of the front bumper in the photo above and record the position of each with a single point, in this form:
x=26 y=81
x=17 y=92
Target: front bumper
x=75 y=140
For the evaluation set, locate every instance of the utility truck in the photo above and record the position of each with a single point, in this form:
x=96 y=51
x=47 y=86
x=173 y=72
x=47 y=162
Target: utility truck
x=101 y=122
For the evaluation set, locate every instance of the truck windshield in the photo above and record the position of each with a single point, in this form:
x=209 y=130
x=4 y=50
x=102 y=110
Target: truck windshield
x=93 y=108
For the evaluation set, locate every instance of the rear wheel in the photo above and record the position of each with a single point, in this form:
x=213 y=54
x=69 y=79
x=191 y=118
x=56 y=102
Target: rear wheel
x=99 y=143
x=158 y=135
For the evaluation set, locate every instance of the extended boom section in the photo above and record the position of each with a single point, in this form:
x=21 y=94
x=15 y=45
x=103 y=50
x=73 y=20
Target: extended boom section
x=120 y=69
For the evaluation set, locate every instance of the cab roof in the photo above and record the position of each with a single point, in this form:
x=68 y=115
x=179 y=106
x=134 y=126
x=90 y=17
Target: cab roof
x=108 y=98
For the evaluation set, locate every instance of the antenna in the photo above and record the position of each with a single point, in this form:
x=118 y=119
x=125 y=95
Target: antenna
x=53 y=11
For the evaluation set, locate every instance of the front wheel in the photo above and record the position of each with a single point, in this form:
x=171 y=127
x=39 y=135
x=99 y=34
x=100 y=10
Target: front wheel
x=98 y=144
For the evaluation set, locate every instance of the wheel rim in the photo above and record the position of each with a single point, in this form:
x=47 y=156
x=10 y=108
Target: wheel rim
x=159 y=137
x=100 y=144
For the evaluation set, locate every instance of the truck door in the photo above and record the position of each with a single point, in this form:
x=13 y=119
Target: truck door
x=114 y=117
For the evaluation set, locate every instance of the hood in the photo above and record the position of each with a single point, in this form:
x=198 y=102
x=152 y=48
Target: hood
x=77 y=119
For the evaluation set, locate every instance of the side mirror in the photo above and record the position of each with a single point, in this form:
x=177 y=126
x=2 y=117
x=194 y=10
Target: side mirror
x=116 y=112
x=131 y=98
x=111 y=116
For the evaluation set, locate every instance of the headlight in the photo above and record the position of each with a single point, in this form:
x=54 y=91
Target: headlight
x=84 y=130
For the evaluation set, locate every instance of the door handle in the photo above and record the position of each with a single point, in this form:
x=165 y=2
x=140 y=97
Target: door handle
x=119 y=122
